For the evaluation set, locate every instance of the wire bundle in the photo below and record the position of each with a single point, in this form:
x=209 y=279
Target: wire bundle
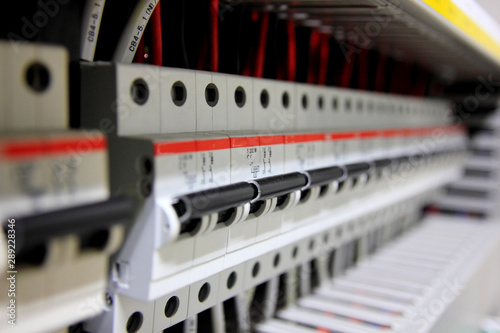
x=248 y=40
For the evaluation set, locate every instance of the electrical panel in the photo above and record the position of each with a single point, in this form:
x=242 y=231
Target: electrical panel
x=250 y=166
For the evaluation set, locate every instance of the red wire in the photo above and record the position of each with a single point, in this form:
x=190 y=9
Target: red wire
x=345 y=80
x=261 y=48
x=363 y=70
x=380 y=77
x=203 y=56
x=254 y=16
x=313 y=55
x=214 y=35
x=157 y=56
x=248 y=68
x=139 y=53
x=292 y=51
x=323 y=59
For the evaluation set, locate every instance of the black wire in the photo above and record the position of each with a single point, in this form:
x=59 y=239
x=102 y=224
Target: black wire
x=238 y=51
x=183 y=39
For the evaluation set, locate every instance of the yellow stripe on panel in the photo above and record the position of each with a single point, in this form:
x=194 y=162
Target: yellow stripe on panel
x=451 y=12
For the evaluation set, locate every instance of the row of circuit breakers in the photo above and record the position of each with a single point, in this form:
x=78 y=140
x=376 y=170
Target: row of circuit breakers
x=192 y=201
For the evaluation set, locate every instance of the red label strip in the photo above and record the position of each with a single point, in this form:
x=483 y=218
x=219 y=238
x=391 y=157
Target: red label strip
x=265 y=140
x=45 y=147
